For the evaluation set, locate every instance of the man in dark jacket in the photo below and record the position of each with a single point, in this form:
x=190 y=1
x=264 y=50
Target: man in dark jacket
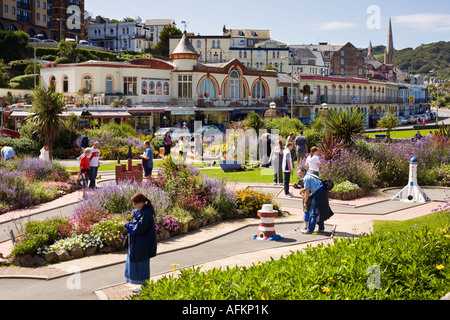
x=84 y=141
x=320 y=210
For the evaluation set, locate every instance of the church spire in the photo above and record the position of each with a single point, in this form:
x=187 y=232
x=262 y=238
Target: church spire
x=390 y=51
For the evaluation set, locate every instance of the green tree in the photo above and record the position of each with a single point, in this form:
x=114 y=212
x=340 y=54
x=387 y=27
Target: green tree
x=68 y=50
x=345 y=125
x=388 y=122
x=163 y=45
x=14 y=46
x=46 y=111
x=253 y=120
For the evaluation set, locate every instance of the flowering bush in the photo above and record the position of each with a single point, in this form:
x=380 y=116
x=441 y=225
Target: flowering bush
x=86 y=240
x=111 y=231
x=167 y=222
x=250 y=201
x=348 y=165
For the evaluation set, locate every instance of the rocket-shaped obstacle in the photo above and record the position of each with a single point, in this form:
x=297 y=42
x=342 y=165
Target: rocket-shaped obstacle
x=412 y=192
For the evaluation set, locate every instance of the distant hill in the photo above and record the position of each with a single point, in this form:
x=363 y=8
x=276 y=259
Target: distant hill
x=428 y=59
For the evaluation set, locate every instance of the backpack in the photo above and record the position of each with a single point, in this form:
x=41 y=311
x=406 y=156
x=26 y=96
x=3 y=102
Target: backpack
x=327 y=184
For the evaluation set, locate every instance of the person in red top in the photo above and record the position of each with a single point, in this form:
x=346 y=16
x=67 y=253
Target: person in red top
x=84 y=170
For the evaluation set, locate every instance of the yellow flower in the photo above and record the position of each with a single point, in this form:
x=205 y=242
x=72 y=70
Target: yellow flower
x=440 y=267
x=207 y=282
x=344 y=261
x=325 y=289
x=447 y=236
x=330 y=279
x=175 y=265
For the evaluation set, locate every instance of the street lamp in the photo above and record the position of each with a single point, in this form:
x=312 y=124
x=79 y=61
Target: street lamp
x=40 y=35
x=437 y=102
x=291 y=56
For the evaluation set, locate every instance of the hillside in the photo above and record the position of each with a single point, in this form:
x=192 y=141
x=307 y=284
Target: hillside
x=428 y=59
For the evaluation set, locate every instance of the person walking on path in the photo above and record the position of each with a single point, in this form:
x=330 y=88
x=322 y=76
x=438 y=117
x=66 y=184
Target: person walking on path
x=8 y=154
x=167 y=142
x=317 y=196
x=302 y=148
x=182 y=147
x=313 y=161
x=83 y=173
x=147 y=160
x=141 y=242
x=84 y=141
x=288 y=168
x=291 y=139
x=94 y=162
x=276 y=157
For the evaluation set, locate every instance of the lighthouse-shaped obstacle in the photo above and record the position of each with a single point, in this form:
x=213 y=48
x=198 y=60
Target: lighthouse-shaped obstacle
x=412 y=192
x=266 y=229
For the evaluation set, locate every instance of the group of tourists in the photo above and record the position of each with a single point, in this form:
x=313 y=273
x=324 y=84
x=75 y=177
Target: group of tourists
x=315 y=195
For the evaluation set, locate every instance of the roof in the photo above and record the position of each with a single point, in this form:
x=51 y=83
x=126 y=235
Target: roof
x=286 y=78
x=185 y=46
x=303 y=53
x=246 y=33
x=159 y=22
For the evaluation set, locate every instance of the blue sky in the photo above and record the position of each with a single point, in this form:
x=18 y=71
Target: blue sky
x=299 y=21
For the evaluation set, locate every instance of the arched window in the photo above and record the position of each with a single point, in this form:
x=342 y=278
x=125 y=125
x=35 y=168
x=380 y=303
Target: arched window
x=144 y=88
x=158 y=88
x=235 y=85
x=65 y=84
x=213 y=44
x=151 y=89
x=87 y=83
x=218 y=43
x=52 y=81
x=207 y=89
x=166 y=88
x=259 y=91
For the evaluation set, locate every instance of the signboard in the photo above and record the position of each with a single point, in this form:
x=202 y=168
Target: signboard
x=7 y=112
x=182 y=113
x=411 y=99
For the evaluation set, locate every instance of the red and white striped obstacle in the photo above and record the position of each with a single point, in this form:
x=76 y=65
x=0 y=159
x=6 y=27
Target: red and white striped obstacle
x=266 y=229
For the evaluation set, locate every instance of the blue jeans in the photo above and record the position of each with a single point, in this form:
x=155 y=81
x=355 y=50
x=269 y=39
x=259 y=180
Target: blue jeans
x=313 y=213
x=93 y=171
x=287 y=181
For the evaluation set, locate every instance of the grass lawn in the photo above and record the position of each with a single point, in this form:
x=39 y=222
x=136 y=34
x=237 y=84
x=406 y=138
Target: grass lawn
x=263 y=175
x=433 y=221
x=409 y=134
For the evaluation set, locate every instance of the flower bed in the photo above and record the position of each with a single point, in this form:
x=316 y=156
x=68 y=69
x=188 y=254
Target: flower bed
x=27 y=182
x=183 y=200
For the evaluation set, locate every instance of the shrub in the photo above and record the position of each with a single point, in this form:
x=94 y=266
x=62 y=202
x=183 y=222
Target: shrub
x=413 y=265
x=14 y=190
x=24 y=82
x=30 y=244
x=345 y=186
x=249 y=202
x=349 y=166
x=111 y=231
x=49 y=227
x=84 y=240
x=21 y=146
x=285 y=125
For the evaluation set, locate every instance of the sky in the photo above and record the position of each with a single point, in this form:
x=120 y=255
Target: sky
x=293 y=22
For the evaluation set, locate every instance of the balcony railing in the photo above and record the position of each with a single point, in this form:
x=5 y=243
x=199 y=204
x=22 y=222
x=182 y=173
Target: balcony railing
x=23 y=5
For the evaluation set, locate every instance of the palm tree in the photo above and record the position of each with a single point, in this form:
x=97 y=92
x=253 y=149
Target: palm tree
x=46 y=111
x=345 y=125
x=253 y=120
x=388 y=122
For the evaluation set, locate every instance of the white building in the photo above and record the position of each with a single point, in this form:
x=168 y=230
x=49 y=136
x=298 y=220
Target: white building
x=133 y=36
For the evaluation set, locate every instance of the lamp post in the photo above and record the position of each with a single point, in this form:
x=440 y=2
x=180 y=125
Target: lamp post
x=40 y=35
x=437 y=102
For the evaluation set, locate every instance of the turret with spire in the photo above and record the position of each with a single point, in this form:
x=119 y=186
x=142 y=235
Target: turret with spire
x=389 y=54
x=185 y=56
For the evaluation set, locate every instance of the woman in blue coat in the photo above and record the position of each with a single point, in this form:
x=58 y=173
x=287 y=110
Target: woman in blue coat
x=142 y=242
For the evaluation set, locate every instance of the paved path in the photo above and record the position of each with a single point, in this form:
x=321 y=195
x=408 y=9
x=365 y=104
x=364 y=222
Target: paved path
x=224 y=244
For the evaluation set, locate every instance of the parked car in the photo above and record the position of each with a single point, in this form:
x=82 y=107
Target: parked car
x=403 y=120
x=84 y=43
x=34 y=40
x=178 y=133
x=306 y=121
x=49 y=40
x=412 y=120
x=208 y=133
x=162 y=132
x=70 y=40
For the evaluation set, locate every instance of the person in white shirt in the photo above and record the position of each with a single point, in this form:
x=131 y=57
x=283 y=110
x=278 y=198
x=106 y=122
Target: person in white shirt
x=288 y=167
x=94 y=162
x=313 y=161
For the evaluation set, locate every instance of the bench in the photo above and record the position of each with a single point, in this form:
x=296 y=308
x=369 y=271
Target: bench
x=380 y=137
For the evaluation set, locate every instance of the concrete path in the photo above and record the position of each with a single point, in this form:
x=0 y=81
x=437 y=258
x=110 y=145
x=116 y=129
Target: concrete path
x=217 y=246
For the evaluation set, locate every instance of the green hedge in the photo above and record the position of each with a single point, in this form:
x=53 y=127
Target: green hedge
x=21 y=146
x=25 y=82
x=412 y=265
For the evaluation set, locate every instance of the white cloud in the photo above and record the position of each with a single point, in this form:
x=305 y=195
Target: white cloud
x=424 y=22
x=336 y=25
